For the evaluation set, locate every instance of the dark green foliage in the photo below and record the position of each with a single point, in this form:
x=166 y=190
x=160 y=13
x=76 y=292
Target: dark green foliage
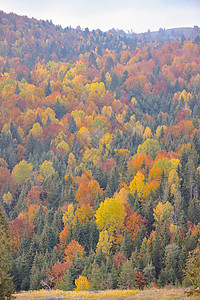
x=97 y=277
x=6 y=284
x=127 y=276
x=60 y=110
x=48 y=89
x=149 y=273
x=72 y=125
x=157 y=254
x=194 y=210
x=66 y=283
x=126 y=244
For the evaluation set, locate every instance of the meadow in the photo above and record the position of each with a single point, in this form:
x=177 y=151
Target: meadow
x=147 y=294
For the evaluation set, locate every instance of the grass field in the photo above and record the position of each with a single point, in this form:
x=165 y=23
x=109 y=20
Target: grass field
x=147 y=294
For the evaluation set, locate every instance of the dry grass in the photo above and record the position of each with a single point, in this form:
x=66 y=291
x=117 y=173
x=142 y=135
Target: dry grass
x=33 y=295
x=148 y=294
x=162 y=294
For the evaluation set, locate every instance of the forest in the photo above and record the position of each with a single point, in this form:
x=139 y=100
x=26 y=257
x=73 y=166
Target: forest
x=99 y=156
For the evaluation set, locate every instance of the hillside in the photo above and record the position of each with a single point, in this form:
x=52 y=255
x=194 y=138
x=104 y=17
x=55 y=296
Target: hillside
x=99 y=156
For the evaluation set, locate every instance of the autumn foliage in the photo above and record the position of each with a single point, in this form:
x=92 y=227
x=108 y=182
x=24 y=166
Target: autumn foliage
x=99 y=154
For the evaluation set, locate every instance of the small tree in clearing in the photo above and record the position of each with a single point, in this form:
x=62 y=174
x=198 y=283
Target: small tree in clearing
x=82 y=284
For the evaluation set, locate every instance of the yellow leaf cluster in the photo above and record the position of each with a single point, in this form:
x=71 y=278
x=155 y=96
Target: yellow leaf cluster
x=110 y=215
x=82 y=284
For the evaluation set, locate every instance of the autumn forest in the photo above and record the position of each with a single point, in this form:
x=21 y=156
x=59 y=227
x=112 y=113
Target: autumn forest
x=99 y=156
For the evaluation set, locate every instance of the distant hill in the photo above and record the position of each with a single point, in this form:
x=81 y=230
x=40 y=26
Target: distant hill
x=162 y=34
x=32 y=39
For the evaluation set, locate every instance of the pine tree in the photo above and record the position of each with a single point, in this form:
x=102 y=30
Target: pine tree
x=127 y=276
x=114 y=277
x=126 y=244
x=47 y=89
x=72 y=125
x=96 y=277
x=66 y=283
x=6 y=284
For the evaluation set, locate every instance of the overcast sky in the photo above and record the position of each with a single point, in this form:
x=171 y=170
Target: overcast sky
x=138 y=15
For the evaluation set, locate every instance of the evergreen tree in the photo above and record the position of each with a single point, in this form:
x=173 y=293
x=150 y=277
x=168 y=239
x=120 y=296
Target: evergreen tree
x=127 y=276
x=60 y=110
x=114 y=277
x=47 y=89
x=97 y=277
x=157 y=254
x=66 y=283
x=126 y=244
x=114 y=82
x=6 y=284
x=72 y=125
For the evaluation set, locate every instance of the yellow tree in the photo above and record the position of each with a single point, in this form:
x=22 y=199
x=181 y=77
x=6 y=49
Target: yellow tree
x=82 y=284
x=63 y=146
x=37 y=130
x=8 y=198
x=84 y=213
x=22 y=171
x=110 y=215
x=105 y=243
x=163 y=213
x=46 y=169
x=83 y=136
x=147 y=133
x=71 y=164
x=68 y=216
x=138 y=185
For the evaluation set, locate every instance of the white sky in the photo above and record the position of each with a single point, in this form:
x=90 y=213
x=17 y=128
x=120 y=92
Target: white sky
x=139 y=15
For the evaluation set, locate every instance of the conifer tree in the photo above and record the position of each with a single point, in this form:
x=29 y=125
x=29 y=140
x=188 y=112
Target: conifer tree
x=6 y=284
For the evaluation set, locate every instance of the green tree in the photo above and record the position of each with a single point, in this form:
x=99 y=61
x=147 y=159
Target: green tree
x=192 y=271
x=72 y=125
x=66 y=283
x=97 y=277
x=6 y=284
x=127 y=276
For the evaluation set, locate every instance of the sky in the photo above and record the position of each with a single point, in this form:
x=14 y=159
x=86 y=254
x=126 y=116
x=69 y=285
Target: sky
x=135 y=15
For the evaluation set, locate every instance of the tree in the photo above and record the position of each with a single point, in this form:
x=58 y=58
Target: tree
x=46 y=169
x=22 y=171
x=163 y=213
x=127 y=276
x=47 y=89
x=66 y=283
x=72 y=125
x=140 y=280
x=110 y=215
x=149 y=147
x=192 y=271
x=6 y=284
x=82 y=284
x=58 y=271
x=16 y=230
x=96 y=278
x=105 y=243
x=133 y=223
x=72 y=250
x=119 y=259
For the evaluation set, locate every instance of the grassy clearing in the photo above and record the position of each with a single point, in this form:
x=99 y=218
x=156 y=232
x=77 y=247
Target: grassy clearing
x=33 y=295
x=148 y=294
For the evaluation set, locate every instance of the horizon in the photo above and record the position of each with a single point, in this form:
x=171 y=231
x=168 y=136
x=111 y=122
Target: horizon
x=110 y=29
x=135 y=16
